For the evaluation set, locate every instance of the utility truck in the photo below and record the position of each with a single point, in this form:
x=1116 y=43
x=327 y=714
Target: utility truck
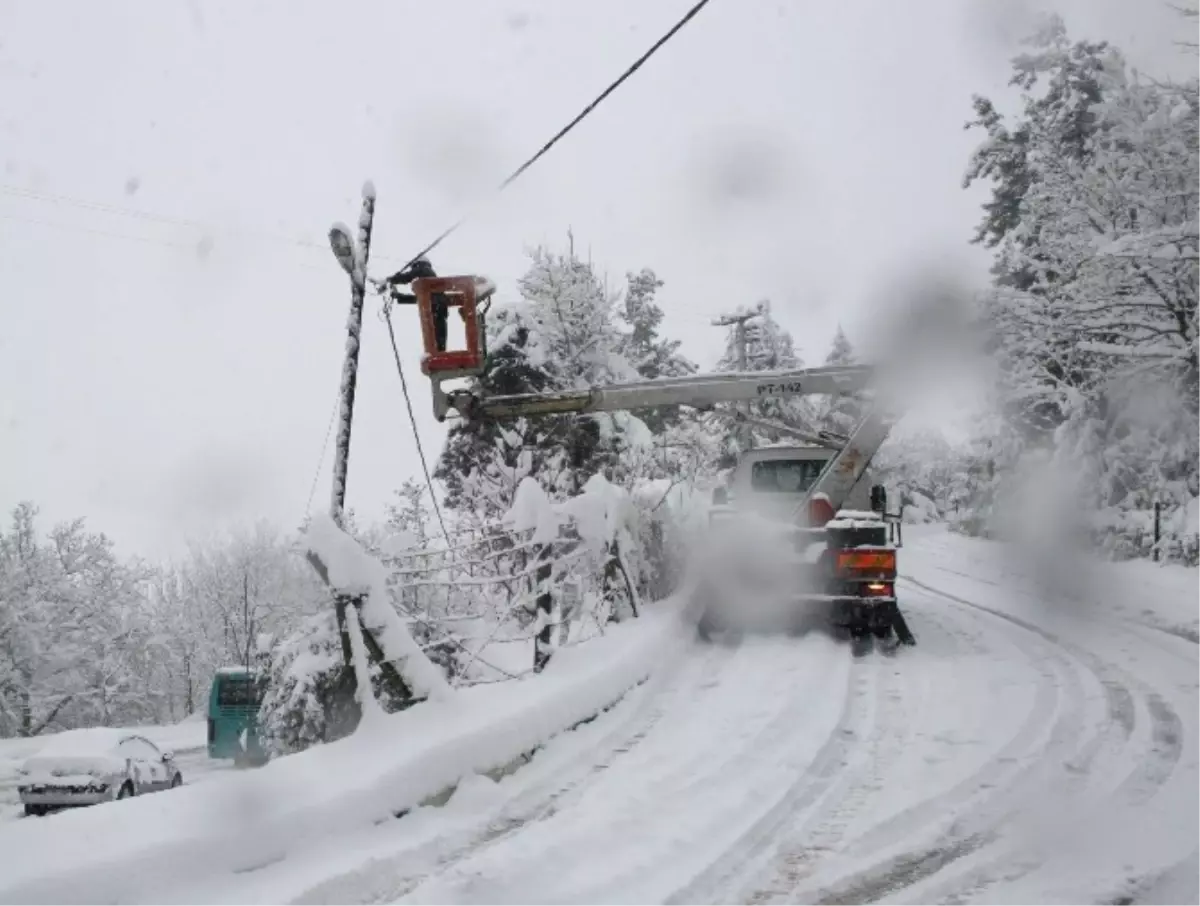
x=779 y=555
x=800 y=535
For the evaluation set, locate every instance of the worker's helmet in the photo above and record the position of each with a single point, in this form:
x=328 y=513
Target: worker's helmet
x=417 y=269
x=421 y=268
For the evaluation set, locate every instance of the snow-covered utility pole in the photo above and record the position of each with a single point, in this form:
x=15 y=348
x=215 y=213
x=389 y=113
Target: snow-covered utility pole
x=353 y=257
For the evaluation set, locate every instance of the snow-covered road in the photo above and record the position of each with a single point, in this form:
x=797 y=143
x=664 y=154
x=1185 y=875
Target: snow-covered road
x=1021 y=753
x=1024 y=751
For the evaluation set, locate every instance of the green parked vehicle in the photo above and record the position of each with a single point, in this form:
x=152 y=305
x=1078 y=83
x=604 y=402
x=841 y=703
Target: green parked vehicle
x=233 y=704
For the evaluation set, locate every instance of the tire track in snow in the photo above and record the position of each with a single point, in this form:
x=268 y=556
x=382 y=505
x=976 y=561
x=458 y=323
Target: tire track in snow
x=549 y=776
x=825 y=827
x=705 y=779
x=1121 y=690
x=1046 y=726
x=826 y=772
x=816 y=835
x=817 y=838
x=1154 y=759
x=1170 y=885
x=976 y=805
x=773 y=744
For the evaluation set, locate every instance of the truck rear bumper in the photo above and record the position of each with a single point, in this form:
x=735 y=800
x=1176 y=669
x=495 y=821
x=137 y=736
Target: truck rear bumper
x=866 y=614
x=809 y=611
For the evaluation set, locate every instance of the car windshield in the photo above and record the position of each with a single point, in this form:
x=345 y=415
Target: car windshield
x=786 y=476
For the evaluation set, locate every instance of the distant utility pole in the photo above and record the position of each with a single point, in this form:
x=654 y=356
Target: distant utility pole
x=738 y=323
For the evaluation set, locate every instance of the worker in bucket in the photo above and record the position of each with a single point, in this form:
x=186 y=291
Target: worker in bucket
x=441 y=310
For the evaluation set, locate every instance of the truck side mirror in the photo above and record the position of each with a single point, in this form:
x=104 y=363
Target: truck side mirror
x=720 y=496
x=879 y=498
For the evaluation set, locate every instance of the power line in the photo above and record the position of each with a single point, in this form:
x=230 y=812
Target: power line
x=53 y=198
x=324 y=446
x=138 y=214
x=387 y=317
x=517 y=173
x=79 y=229
x=125 y=237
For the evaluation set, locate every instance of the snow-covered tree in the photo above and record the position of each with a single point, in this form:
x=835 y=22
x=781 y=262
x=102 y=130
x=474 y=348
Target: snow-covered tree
x=643 y=346
x=1070 y=75
x=484 y=461
x=563 y=334
x=74 y=640
x=840 y=413
x=1094 y=319
x=767 y=345
x=578 y=320
x=308 y=698
x=247 y=583
x=409 y=515
x=1060 y=83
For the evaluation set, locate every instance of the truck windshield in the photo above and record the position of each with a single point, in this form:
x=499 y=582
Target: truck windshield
x=787 y=476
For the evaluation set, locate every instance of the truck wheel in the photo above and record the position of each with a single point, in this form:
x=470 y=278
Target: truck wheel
x=34 y=811
x=125 y=791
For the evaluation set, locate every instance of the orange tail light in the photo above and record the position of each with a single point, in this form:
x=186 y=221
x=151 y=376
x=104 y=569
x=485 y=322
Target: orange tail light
x=866 y=561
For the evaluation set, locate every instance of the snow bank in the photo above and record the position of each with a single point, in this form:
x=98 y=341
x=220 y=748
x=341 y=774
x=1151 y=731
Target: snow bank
x=147 y=849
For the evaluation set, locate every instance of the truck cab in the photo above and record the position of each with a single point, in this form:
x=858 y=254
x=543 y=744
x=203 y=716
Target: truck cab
x=776 y=480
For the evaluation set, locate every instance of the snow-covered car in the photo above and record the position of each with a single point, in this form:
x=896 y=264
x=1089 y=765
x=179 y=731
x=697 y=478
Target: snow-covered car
x=86 y=767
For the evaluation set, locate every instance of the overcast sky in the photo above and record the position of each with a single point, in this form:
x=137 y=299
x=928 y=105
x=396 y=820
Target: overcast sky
x=171 y=323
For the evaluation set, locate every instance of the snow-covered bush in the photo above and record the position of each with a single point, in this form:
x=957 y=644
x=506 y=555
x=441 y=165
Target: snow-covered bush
x=310 y=694
x=301 y=706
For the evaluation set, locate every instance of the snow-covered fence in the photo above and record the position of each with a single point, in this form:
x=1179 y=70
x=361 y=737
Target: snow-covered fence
x=497 y=605
x=1164 y=532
